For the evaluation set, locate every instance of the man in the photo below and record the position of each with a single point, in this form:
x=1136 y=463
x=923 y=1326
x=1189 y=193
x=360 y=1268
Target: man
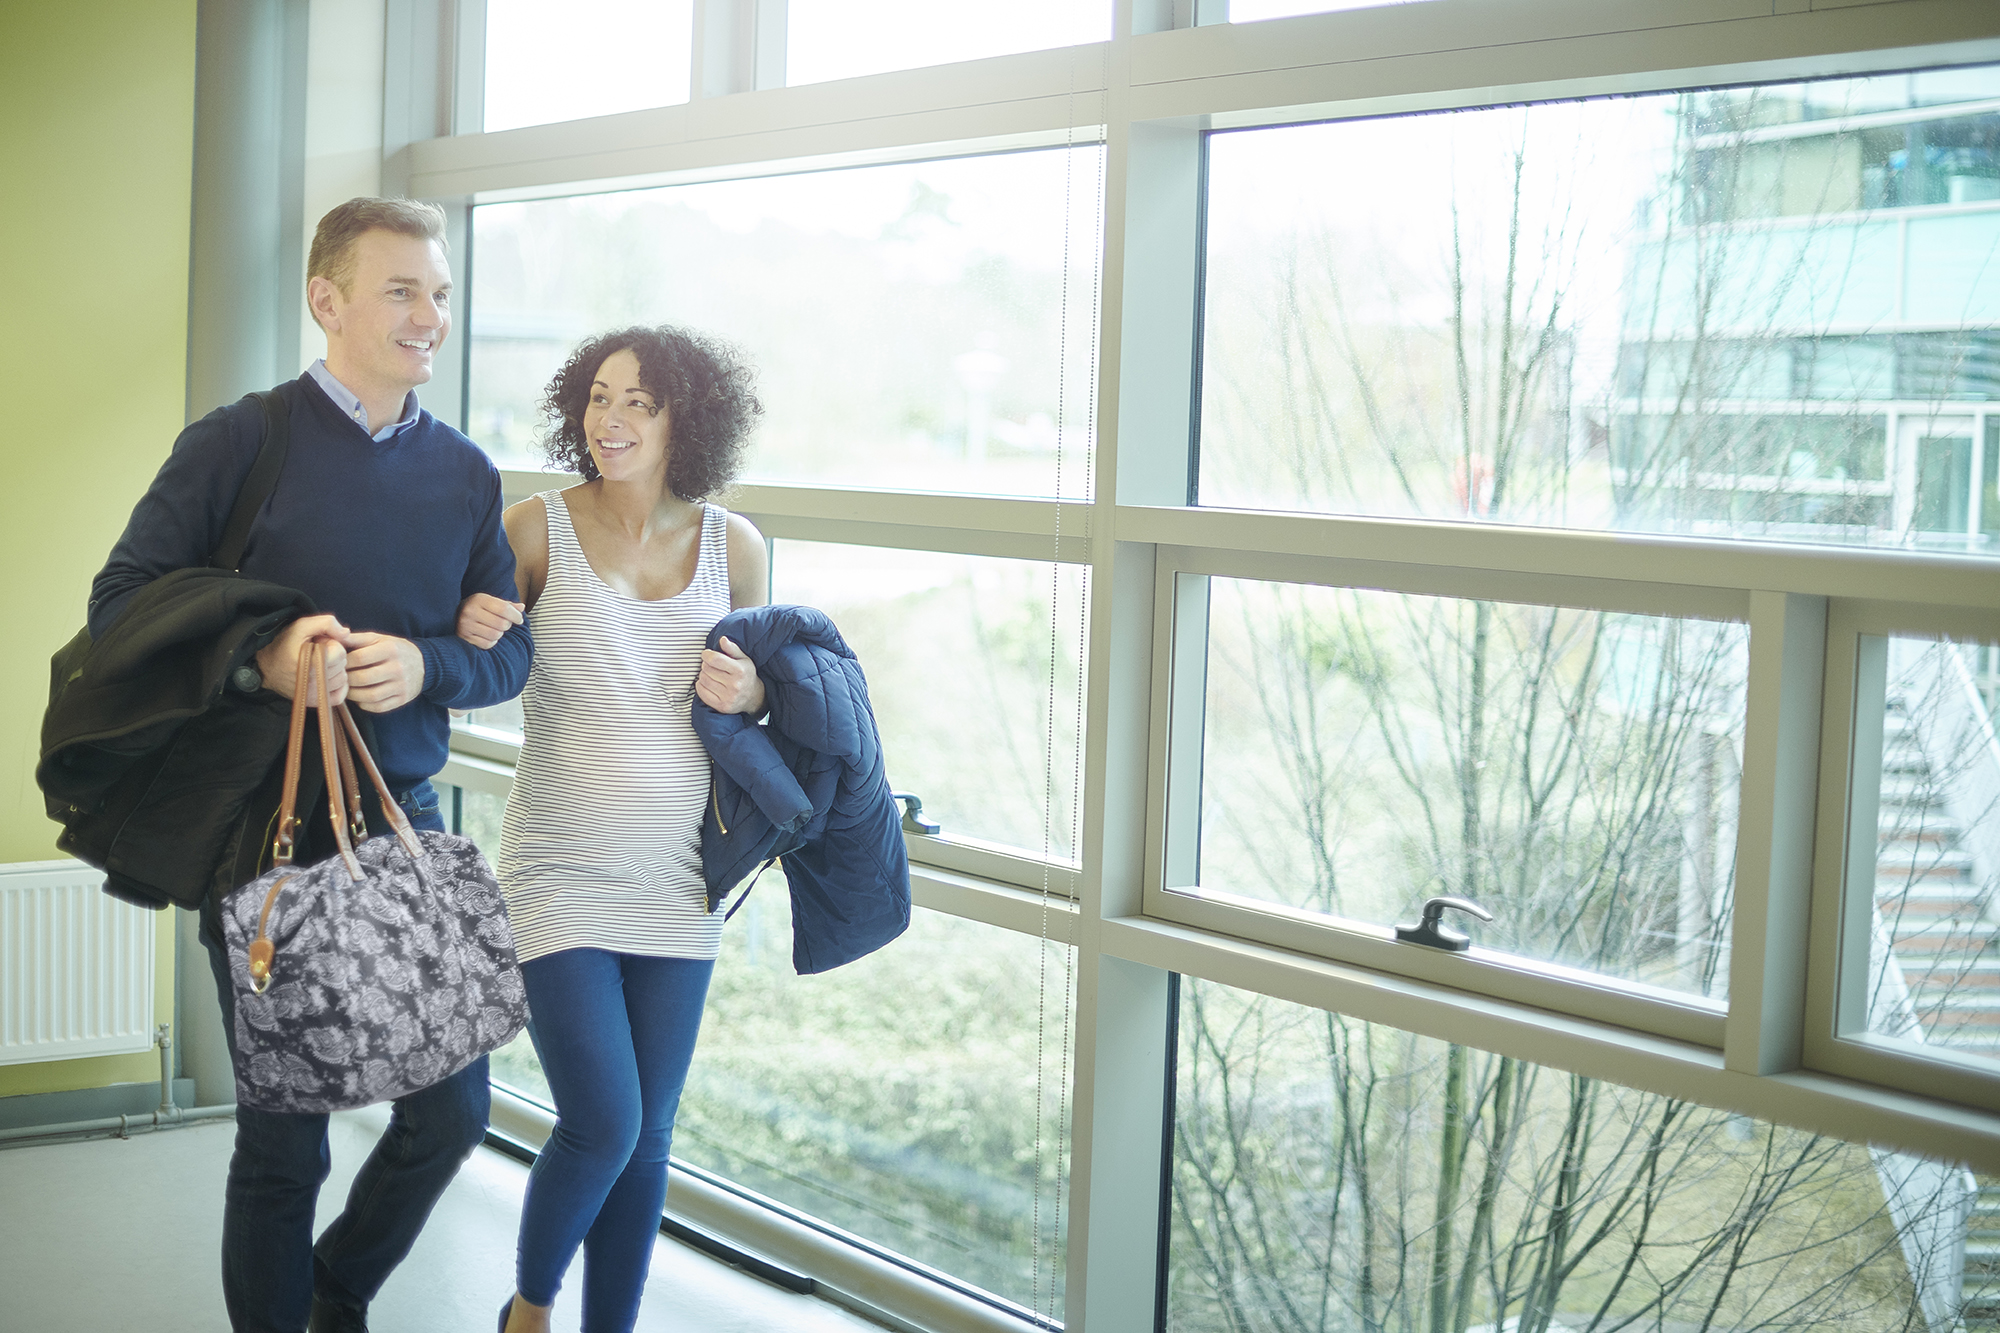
x=387 y=519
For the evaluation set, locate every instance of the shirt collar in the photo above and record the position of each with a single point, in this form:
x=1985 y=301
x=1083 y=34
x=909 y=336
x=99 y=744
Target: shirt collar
x=351 y=405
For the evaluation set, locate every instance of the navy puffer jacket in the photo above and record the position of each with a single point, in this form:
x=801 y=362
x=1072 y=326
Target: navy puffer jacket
x=807 y=785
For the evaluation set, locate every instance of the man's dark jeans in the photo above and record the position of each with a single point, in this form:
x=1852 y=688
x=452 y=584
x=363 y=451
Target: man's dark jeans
x=270 y=1265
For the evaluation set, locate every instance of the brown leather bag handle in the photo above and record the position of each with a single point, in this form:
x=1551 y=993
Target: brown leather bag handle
x=283 y=845
x=399 y=822
x=311 y=676
x=333 y=762
x=350 y=787
x=342 y=785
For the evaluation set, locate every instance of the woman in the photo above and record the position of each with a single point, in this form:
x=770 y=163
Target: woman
x=600 y=852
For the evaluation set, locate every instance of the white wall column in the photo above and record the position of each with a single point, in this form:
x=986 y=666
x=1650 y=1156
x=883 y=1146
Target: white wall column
x=246 y=274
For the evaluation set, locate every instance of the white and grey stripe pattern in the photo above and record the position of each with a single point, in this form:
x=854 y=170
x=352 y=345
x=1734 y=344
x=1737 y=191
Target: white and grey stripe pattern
x=601 y=846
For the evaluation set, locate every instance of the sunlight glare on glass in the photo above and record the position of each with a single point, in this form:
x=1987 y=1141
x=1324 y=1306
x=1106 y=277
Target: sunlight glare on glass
x=844 y=39
x=547 y=63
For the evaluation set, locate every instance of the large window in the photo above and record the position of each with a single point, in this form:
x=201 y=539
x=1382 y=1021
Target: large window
x=1277 y=475
x=1766 y=313
x=958 y=651
x=910 y=1098
x=1574 y=772
x=910 y=325
x=1334 y=1174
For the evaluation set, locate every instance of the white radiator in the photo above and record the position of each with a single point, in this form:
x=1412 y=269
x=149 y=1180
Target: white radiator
x=76 y=967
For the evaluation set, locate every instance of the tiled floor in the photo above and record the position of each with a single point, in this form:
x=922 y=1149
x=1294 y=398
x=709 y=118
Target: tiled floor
x=111 y=1234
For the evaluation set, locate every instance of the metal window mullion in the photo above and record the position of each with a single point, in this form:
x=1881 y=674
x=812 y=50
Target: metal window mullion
x=1894 y=1116
x=1150 y=16
x=1481 y=551
x=1186 y=633
x=712 y=50
x=770 y=36
x=448 y=396
x=1830 y=962
x=1470 y=582
x=423 y=59
x=1976 y=468
x=1855 y=868
x=738 y=47
x=1774 y=847
x=468 y=75
x=1147 y=332
x=1119 y=1108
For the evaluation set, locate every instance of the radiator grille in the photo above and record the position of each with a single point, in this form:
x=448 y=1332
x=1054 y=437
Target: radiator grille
x=76 y=967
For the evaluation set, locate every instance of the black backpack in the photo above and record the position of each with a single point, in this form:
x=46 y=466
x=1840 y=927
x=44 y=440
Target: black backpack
x=121 y=774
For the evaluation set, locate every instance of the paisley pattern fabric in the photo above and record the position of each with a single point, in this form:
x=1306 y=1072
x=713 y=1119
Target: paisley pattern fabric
x=378 y=987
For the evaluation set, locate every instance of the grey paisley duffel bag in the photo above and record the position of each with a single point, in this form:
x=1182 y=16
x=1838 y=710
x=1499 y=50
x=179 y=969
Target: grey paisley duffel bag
x=376 y=972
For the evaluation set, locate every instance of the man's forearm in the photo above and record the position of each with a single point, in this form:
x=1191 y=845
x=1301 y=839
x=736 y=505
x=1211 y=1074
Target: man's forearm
x=458 y=675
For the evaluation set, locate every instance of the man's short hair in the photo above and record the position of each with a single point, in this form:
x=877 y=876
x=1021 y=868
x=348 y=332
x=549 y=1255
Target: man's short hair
x=332 y=254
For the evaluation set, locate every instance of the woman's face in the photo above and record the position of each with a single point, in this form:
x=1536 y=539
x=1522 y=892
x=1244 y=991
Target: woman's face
x=627 y=429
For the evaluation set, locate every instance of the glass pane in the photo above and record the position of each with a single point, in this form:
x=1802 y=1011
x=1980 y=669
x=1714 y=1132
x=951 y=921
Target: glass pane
x=917 y=1098
x=1672 y=313
x=923 y=327
x=1989 y=485
x=1333 y=1175
x=900 y=1097
x=1934 y=974
x=957 y=652
x=840 y=39
x=1944 y=482
x=501 y=720
x=477 y=815
x=584 y=58
x=1573 y=772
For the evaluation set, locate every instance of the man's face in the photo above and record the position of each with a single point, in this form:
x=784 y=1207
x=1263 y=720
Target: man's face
x=384 y=335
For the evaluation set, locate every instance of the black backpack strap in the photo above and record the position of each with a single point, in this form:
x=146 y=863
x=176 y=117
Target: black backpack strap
x=263 y=478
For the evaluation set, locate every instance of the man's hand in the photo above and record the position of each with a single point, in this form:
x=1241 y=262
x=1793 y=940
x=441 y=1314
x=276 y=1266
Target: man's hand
x=383 y=671
x=728 y=681
x=278 y=660
x=483 y=618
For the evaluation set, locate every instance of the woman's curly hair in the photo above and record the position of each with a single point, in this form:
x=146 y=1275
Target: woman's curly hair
x=708 y=391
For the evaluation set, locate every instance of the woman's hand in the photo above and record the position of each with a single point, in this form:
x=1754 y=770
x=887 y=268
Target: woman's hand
x=728 y=681
x=483 y=618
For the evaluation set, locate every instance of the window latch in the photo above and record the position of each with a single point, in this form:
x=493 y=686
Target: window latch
x=1433 y=932
x=913 y=813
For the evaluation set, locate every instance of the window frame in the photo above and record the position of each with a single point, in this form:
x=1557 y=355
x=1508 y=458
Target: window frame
x=1172 y=893
x=1845 y=853
x=1169 y=74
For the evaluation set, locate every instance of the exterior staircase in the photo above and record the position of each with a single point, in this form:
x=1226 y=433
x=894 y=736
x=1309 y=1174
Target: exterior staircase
x=1942 y=923
x=1981 y=1312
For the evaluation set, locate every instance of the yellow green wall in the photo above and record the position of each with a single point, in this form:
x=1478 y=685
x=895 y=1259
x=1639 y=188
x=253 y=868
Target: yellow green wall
x=97 y=160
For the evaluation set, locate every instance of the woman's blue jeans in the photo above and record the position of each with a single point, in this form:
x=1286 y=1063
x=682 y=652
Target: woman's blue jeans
x=270 y=1266
x=615 y=1033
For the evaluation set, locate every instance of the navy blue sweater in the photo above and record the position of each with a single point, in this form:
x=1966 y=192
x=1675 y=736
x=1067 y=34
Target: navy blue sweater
x=389 y=537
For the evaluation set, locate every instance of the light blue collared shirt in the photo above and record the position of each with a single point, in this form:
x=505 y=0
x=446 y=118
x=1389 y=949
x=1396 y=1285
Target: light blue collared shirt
x=348 y=403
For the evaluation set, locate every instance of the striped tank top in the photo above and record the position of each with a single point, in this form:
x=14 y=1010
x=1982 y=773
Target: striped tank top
x=601 y=845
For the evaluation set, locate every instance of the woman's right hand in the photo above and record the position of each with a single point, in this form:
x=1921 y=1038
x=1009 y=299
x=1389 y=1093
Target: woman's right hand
x=483 y=618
